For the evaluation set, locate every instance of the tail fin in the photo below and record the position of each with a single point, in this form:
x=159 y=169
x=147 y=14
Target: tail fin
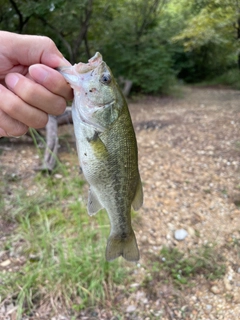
x=122 y=245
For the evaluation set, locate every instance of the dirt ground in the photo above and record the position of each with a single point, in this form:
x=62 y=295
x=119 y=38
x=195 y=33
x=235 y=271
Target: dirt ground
x=189 y=152
x=189 y=161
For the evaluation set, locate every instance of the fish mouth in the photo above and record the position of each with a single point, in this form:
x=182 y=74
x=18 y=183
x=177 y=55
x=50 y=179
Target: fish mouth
x=71 y=73
x=92 y=64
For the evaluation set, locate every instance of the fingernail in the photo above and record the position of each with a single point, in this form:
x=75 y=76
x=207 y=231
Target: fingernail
x=39 y=73
x=11 y=80
x=10 y=136
x=2 y=133
x=65 y=62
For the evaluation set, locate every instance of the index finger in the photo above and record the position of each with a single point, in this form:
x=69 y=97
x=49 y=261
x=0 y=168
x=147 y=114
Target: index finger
x=51 y=80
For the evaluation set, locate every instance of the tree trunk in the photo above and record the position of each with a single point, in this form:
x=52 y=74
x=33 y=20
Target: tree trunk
x=65 y=118
x=83 y=30
x=126 y=86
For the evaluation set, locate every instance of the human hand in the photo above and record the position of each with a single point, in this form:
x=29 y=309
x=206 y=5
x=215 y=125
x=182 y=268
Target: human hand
x=30 y=88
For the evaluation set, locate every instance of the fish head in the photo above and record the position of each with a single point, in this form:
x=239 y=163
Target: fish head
x=98 y=86
x=96 y=92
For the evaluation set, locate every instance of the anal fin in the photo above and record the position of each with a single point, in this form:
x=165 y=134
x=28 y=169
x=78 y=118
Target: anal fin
x=93 y=203
x=138 y=199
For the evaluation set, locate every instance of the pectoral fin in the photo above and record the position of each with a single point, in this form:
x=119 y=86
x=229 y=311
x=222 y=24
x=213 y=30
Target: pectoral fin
x=98 y=147
x=93 y=204
x=138 y=199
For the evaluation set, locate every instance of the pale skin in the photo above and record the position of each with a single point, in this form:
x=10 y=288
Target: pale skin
x=30 y=88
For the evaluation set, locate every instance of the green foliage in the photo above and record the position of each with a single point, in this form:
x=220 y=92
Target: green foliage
x=210 y=38
x=229 y=78
x=148 y=42
x=136 y=48
x=214 y=22
x=153 y=70
x=61 y=246
x=150 y=68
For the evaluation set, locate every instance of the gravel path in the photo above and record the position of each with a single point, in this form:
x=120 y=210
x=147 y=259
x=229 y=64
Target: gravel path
x=189 y=161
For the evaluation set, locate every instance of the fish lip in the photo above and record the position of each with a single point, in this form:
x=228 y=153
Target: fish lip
x=92 y=64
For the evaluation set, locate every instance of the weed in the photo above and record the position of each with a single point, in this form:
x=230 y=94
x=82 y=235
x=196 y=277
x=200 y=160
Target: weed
x=237 y=145
x=207 y=191
x=174 y=266
x=224 y=192
x=2 y=204
x=63 y=248
x=236 y=240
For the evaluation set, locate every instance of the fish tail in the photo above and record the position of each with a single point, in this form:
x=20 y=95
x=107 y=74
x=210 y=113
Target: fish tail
x=122 y=245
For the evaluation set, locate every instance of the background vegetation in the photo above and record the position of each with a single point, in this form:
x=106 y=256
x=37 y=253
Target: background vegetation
x=150 y=42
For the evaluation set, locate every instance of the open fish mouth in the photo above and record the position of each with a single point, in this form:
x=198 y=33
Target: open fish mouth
x=92 y=64
x=71 y=74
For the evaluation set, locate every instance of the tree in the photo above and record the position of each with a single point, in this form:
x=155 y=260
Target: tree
x=212 y=30
x=134 y=45
x=132 y=35
x=65 y=22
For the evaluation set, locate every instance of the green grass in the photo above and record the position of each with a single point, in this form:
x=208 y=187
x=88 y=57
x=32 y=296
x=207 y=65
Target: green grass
x=174 y=266
x=63 y=248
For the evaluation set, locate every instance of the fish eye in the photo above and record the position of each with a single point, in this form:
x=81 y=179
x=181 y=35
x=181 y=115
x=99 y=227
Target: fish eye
x=106 y=78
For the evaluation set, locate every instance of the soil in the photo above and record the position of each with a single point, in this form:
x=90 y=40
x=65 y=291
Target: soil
x=189 y=152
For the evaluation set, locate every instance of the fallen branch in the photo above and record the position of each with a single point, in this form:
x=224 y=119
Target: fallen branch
x=50 y=155
x=65 y=118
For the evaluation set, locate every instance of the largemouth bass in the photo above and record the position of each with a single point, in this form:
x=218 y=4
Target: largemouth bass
x=107 y=151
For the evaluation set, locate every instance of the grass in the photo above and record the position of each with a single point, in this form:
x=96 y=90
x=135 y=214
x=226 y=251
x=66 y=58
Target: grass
x=57 y=251
x=63 y=249
x=174 y=266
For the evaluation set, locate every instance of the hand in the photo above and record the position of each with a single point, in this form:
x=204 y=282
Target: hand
x=30 y=88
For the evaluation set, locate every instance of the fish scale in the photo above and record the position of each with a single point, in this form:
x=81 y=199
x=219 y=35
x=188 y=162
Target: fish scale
x=107 y=151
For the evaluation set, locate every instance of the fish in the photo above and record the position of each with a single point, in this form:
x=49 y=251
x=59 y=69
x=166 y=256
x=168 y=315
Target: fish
x=107 y=151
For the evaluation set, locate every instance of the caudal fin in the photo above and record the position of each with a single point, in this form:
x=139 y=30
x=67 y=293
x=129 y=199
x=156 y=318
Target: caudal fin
x=125 y=246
